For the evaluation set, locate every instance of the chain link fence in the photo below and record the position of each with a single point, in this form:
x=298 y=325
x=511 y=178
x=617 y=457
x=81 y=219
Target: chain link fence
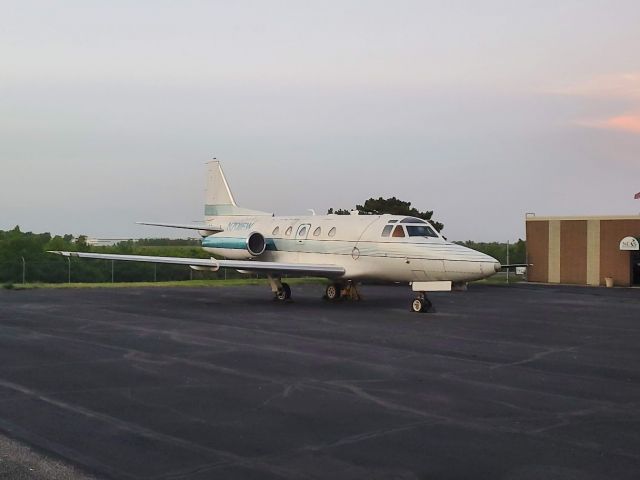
x=74 y=270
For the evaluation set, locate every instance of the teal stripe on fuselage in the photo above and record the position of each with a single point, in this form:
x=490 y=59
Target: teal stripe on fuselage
x=233 y=243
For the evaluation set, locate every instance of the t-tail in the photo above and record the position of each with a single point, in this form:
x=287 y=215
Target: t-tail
x=219 y=201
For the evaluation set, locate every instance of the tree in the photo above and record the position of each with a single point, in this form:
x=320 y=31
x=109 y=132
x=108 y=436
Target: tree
x=392 y=206
x=340 y=211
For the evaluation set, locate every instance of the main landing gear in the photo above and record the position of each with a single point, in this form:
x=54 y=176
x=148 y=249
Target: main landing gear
x=348 y=291
x=281 y=290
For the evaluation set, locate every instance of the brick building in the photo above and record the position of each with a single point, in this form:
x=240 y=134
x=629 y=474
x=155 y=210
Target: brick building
x=584 y=250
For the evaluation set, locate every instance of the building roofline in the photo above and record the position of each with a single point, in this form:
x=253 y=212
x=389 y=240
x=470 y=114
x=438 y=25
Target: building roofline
x=533 y=218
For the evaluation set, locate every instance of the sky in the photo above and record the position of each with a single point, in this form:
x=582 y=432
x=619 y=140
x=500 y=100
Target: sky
x=479 y=111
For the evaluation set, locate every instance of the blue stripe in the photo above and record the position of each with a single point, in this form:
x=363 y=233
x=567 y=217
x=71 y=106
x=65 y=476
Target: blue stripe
x=233 y=243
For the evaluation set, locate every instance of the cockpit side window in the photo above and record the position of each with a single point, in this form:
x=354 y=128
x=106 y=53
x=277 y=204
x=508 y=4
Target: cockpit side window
x=398 y=231
x=421 y=231
x=386 y=230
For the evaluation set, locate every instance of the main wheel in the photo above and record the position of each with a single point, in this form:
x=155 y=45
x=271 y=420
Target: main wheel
x=417 y=305
x=333 y=291
x=285 y=293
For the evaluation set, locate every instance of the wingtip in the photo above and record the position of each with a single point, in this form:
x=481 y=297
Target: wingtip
x=58 y=252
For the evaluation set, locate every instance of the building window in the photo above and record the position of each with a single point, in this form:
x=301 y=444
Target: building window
x=317 y=231
x=276 y=231
x=332 y=232
x=398 y=232
x=386 y=230
x=288 y=232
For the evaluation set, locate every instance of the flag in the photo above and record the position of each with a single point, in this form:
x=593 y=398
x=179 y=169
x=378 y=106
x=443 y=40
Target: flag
x=637 y=196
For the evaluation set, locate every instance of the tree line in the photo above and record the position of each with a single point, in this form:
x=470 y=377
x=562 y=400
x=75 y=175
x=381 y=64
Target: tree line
x=28 y=250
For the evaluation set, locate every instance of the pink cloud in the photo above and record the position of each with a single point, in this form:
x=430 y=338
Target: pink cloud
x=618 y=85
x=626 y=123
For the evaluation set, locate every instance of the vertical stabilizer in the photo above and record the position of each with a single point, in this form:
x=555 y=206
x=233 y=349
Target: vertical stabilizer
x=219 y=200
x=218 y=191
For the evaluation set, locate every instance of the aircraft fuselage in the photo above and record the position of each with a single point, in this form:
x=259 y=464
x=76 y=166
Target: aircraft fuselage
x=366 y=246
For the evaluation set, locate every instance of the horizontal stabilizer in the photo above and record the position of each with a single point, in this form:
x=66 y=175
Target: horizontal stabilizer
x=211 y=229
x=246 y=265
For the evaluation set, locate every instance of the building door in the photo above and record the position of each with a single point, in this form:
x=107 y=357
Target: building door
x=635 y=267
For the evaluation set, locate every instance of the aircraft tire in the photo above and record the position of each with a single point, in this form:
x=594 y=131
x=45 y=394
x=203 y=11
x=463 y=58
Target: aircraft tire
x=420 y=305
x=285 y=293
x=332 y=292
x=417 y=305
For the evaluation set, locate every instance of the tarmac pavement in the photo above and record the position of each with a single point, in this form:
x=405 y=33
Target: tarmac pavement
x=520 y=382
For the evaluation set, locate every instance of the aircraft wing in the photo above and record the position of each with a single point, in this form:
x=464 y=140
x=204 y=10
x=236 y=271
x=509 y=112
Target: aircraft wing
x=210 y=229
x=321 y=270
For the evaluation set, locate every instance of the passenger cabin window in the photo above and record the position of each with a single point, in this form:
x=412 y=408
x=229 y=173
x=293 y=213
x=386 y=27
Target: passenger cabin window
x=288 y=232
x=302 y=232
x=332 y=232
x=317 y=231
x=398 y=231
x=276 y=231
x=421 y=231
x=412 y=220
x=386 y=231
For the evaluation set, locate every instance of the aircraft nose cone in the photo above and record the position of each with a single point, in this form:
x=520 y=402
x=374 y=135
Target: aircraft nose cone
x=497 y=266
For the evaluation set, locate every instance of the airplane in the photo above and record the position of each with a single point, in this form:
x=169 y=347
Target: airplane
x=346 y=249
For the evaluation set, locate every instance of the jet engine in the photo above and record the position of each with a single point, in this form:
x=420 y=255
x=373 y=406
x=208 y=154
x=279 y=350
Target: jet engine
x=256 y=244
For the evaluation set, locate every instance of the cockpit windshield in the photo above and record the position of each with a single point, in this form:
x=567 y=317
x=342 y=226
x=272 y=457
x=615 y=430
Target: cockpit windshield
x=421 y=231
x=412 y=220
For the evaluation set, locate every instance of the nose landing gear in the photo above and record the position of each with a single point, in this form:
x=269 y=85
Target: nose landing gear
x=421 y=304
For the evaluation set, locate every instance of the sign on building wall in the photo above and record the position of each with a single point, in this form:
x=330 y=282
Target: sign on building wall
x=629 y=243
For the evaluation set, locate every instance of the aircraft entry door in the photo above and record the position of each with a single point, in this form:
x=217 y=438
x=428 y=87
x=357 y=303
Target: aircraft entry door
x=302 y=232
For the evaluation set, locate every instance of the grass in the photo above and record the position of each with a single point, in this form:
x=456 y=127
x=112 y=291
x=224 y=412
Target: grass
x=236 y=282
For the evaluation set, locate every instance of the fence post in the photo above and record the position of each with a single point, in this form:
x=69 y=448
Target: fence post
x=24 y=271
x=508 y=262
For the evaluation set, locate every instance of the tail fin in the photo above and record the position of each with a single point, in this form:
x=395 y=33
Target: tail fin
x=219 y=200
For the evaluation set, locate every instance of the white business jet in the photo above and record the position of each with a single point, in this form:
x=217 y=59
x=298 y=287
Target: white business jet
x=343 y=248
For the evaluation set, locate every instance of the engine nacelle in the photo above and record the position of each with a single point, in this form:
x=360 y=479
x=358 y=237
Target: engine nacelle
x=256 y=244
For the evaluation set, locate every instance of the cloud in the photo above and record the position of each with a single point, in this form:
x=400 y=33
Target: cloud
x=626 y=123
x=623 y=88
x=613 y=86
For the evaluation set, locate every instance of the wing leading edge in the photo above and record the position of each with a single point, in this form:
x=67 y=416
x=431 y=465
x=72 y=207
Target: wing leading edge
x=248 y=265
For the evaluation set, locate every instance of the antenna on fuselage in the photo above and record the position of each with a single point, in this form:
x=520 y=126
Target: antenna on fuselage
x=313 y=212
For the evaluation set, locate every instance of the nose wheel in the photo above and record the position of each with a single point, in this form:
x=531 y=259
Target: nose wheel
x=421 y=304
